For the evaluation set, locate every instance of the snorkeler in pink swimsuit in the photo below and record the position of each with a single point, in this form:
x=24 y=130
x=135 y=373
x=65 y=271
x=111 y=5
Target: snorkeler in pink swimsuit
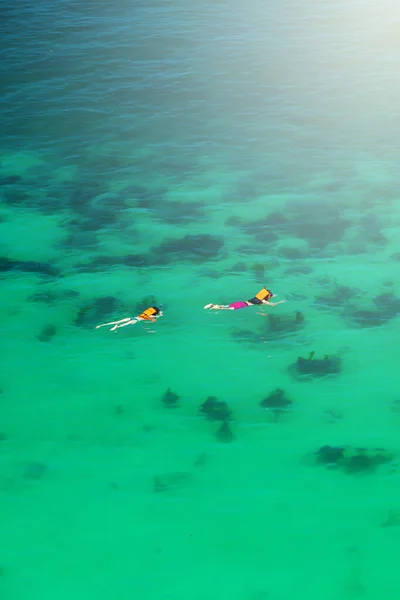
x=237 y=305
x=263 y=297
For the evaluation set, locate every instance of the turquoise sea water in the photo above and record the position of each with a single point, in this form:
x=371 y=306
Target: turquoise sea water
x=185 y=153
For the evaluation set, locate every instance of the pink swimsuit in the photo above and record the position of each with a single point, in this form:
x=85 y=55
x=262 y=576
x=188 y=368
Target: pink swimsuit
x=237 y=305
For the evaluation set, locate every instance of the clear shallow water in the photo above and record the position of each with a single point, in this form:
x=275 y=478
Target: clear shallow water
x=126 y=126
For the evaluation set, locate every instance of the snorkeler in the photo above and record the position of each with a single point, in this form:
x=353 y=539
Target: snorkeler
x=263 y=297
x=150 y=314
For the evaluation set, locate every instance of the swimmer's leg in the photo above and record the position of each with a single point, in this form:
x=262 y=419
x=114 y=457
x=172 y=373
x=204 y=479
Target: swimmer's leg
x=113 y=322
x=120 y=323
x=218 y=307
x=129 y=322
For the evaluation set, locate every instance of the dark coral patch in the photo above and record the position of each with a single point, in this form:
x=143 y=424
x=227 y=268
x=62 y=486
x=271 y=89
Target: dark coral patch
x=239 y=267
x=299 y=269
x=261 y=230
x=180 y=212
x=195 y=248
x=77 y=239
x=95 y=312
x=17 y=196
x=320 y=223
x=367 y=318
x=52 y=297
x=250 y=249
x=319 y=234
x=10 y=180
x=388 y=304
x=101 y=263
x=8 y=265
x=79 y=195
x=338 y=296
x=371 y=229
x=353 y=460
x=144 y=198
x=387 y=308
x=277 y=221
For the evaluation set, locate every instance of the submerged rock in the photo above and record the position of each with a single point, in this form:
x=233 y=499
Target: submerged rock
x=276 y=401
x=34 y=471
x=170 y=399
x=280 y=324
x=170 y=481
x=224 y=433
x=215 y=410
x=392 y=518
x=319 y=367
x=330 y=455
x=47 y=333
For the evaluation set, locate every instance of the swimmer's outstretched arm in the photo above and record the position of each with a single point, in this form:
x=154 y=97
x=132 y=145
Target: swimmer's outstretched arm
x=269 y=304
x=154 y=318
x=273 y=303
x=120 y=323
